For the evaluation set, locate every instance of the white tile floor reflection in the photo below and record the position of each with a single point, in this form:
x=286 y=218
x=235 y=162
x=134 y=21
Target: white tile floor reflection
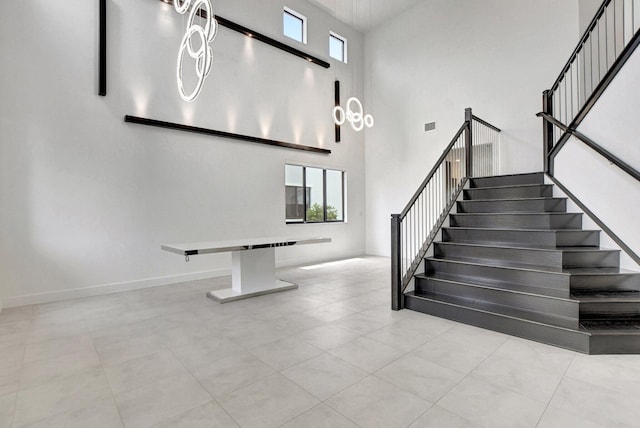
x=330 y=354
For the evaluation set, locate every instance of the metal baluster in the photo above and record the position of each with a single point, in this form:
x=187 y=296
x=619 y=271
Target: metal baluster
x=571 y=89
x=606 y=39
x=414 y=250
x=615 y=36
x=597 y=81
x=591 y=62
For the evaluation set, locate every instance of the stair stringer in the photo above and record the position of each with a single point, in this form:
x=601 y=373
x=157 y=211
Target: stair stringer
x=606 y=241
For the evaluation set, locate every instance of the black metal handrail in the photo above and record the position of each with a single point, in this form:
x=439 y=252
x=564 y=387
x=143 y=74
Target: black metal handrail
x=608 y=42
x=592 y=26
x=485 y=123
x=473 y=150
x=589 y=142
x=445 y=152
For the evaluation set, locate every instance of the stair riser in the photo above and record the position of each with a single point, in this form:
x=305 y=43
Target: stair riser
x=553 y=281
x=494 y=255
x=541 y=191
x=611 y=282
x=520 y=237
x=593 y=259
x=530 y=206
x=508 y=180
x=582 y=238
x=606 y=310
x=516 y=327
x=614 y=344
x=529 y=302
x=518 y=221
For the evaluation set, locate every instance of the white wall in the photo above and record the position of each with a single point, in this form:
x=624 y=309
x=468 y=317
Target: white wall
x=87 y=199
x=587 y=10
x=496 y=56
x=609 y=192
x=613 y=120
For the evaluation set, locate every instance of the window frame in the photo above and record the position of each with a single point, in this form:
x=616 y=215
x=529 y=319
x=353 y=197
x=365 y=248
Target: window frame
x=343 y=175
x=333 y=34
x=303 y=19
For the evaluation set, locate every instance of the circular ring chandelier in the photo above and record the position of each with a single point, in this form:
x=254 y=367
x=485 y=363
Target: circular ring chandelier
x=204 y=35
x=356 y=117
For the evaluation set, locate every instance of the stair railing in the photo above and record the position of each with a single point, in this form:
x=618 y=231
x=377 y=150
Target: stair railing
x=605 y=47
x=474 y=151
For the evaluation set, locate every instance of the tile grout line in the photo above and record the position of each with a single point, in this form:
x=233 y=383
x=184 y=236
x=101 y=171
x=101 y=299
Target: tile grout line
x=106 y=379
x=555 y=390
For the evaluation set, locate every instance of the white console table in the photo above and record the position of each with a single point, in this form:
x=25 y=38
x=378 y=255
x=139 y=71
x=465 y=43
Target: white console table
x=253 y=264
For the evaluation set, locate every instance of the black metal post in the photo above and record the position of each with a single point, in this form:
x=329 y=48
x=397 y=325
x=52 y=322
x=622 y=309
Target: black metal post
x=336 y=92
x=102 y=74
x=397 y=300
x=468 y=140
x=547 y=132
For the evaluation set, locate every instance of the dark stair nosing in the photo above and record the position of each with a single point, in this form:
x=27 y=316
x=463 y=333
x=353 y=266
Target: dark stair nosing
x=524 y=178
x=517 y=220
x=506 y=297
x=535 y=238
x=573 y=339
x=541 y=276
x=555 y=257
x=502 y=192
x=588 y=280
x=550 y=293
x=511 y=186
x=504 y=205
x=609 y=305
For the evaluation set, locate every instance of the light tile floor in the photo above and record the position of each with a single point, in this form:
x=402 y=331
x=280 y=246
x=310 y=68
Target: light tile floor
x=330 y=354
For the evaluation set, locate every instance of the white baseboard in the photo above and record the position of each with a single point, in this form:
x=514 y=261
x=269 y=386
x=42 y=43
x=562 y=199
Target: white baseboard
x=98 y=290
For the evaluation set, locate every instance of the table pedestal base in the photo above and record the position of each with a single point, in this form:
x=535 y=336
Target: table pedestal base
x=253 y=273
x=229 y=294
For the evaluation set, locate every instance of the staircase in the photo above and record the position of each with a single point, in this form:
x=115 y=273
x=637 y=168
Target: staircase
x=513 y=260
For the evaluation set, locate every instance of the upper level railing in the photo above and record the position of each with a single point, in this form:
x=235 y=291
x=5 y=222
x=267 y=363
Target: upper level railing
x=606 y=45
x=474 y=151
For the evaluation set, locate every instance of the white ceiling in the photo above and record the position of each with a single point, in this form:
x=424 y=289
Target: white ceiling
x=364 y=14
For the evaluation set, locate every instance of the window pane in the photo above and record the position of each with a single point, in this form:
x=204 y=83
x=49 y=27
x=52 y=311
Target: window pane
x=293 y=26
x=336 y=48
x=294 y=197
x=335 y=210
x=315 y=201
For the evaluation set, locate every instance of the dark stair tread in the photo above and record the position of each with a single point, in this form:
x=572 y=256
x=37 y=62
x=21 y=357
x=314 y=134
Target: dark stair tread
x=510 y=266
x=518 y=174
x=621 y=326
x=498 y=285
x=520 y=213
x=514 y=229
x=507 y=264
x=608 y=297
x=511 y=186
x=501 y=310
x=517 y=247
x=600 y=271
x=510 y=199
x=485 y=239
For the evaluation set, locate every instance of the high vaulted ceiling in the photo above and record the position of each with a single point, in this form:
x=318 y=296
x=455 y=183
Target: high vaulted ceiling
x=364 y=14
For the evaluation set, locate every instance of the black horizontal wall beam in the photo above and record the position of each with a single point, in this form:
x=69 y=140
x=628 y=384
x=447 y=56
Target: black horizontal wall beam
x=223 y=134
x=272 y=42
